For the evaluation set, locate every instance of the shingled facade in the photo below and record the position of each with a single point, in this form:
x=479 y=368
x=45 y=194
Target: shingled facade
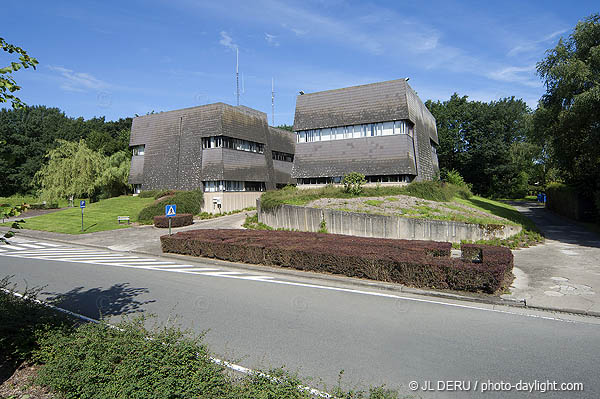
x=382 y=130
x=229 y=152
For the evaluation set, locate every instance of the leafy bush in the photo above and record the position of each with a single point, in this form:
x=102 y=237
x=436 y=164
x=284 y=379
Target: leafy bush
x=353 y=183
x=186 y=201
x=416 y=263
x=179 y=220
x=148 y=193
x=129 y=362
x=22 y=320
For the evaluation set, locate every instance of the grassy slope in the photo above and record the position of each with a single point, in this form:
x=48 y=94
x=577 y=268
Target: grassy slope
x=98 y=216
x=529 y=236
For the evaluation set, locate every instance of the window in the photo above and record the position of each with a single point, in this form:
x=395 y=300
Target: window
x=282 y=156
x=232 y=186
x=138 y=149
x=355 y=131
x=231 y=143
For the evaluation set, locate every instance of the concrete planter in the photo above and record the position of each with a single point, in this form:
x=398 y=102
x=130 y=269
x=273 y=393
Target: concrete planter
x=368 y=225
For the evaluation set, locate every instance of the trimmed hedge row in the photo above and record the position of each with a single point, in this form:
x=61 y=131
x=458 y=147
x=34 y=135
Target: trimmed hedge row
x=179 y=220
x=415 y=263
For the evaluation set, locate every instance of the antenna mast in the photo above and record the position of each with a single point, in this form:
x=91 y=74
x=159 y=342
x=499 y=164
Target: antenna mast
x=272 y=102
x=237 y=74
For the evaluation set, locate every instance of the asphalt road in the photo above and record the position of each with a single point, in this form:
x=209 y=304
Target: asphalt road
x=318 y=329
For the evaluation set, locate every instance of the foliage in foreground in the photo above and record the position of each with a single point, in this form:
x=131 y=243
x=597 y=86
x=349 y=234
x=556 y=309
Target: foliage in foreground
x=7 y=84
x=134 y=360
x=429 y=190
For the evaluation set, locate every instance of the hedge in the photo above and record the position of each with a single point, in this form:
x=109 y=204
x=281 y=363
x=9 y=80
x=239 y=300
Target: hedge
x=415 y=263
x=179 y=220
x=186 y=201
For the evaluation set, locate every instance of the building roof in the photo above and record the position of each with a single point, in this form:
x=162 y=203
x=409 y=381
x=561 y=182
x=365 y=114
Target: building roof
x=371 y=103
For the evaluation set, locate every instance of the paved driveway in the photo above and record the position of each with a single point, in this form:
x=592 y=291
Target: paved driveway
x=565 y=271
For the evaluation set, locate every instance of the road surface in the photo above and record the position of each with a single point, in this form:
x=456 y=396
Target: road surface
x=318 y=328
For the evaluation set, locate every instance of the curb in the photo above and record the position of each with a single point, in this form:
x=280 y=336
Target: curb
x=349 y=280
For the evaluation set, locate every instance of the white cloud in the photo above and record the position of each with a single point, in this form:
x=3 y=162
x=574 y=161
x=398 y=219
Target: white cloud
x=78 y=81
x=271 y=40
x=528 y=46
x=227 y=41
x=523 y=75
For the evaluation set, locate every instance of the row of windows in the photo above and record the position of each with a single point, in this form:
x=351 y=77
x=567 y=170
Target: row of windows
x=232 y=185
x=283 y=156
x=138 y=149
x=355 y=131
x=369 y=179
x=234 y=144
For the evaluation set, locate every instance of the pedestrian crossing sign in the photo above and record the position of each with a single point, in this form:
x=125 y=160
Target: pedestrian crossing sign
x=170 y=210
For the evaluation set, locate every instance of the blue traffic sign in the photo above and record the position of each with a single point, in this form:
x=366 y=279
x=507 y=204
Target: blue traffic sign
x=170 y=210
x=82 y=204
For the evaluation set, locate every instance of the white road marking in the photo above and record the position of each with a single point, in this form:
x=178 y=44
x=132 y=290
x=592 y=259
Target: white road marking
x=214 y=272
x=15 y=248
x=30 y=245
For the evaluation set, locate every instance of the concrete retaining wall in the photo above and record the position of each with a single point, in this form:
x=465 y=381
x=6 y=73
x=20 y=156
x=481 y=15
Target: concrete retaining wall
x=368 y=225
x=230 y=201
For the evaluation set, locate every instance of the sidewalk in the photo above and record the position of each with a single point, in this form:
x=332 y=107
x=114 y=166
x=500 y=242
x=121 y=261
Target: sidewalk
x=136 y=238
x=564 y=272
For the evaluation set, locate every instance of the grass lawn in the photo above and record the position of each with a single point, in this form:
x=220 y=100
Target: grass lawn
x=97 y=216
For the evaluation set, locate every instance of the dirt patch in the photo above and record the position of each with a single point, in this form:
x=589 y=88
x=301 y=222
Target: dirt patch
x=406 y=206
x=20 y=385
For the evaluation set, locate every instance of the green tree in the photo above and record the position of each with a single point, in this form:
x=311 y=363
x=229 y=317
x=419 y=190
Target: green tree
x=567 y=121
x=353 y=183
x=476 y=140
x=7 y=83
x=114 y=176
x=72 y=170
x=286 y=127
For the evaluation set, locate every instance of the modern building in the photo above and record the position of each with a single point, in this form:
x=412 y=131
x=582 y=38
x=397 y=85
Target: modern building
x=382 y=130
x=229 y=152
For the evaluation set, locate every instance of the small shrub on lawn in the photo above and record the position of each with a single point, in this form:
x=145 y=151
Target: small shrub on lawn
x=252 y=222
x=186 y=201
x=179 y=220
x=416 y=263
x=148 y=193
x=353 y=183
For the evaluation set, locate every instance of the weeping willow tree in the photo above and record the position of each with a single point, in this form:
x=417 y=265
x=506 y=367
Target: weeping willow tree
x=72 y=171
x=113 y=179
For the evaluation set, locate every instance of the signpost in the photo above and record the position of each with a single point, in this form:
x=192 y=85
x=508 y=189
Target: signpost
x=170 y=211
x=82 y=205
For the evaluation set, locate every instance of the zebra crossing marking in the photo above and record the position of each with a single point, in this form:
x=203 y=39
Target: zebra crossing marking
x=63 y=253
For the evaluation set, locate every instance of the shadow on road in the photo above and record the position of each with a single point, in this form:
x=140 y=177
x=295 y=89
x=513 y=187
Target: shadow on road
x=120 y=299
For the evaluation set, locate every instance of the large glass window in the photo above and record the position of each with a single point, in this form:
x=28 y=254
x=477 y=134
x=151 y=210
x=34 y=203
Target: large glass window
x=232 y=186
x=355 y=131
x=231 y=143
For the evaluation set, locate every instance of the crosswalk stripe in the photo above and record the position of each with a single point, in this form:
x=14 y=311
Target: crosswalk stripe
x=15 y=247
x=192 y=269
x=61 y=253
x=221 y=273
x=34 y=246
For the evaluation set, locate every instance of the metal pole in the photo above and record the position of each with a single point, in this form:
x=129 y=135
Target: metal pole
x=169 y=226
x=82 y=220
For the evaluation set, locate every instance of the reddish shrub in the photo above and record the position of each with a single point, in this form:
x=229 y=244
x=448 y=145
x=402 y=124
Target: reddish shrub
x=416 y=263
x=179 y=220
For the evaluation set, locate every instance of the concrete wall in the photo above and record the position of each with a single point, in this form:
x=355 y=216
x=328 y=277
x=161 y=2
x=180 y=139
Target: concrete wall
x=230 y=201
x=367 y=225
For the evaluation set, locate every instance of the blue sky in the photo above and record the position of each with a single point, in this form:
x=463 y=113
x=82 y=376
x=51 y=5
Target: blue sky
x=120 y=58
